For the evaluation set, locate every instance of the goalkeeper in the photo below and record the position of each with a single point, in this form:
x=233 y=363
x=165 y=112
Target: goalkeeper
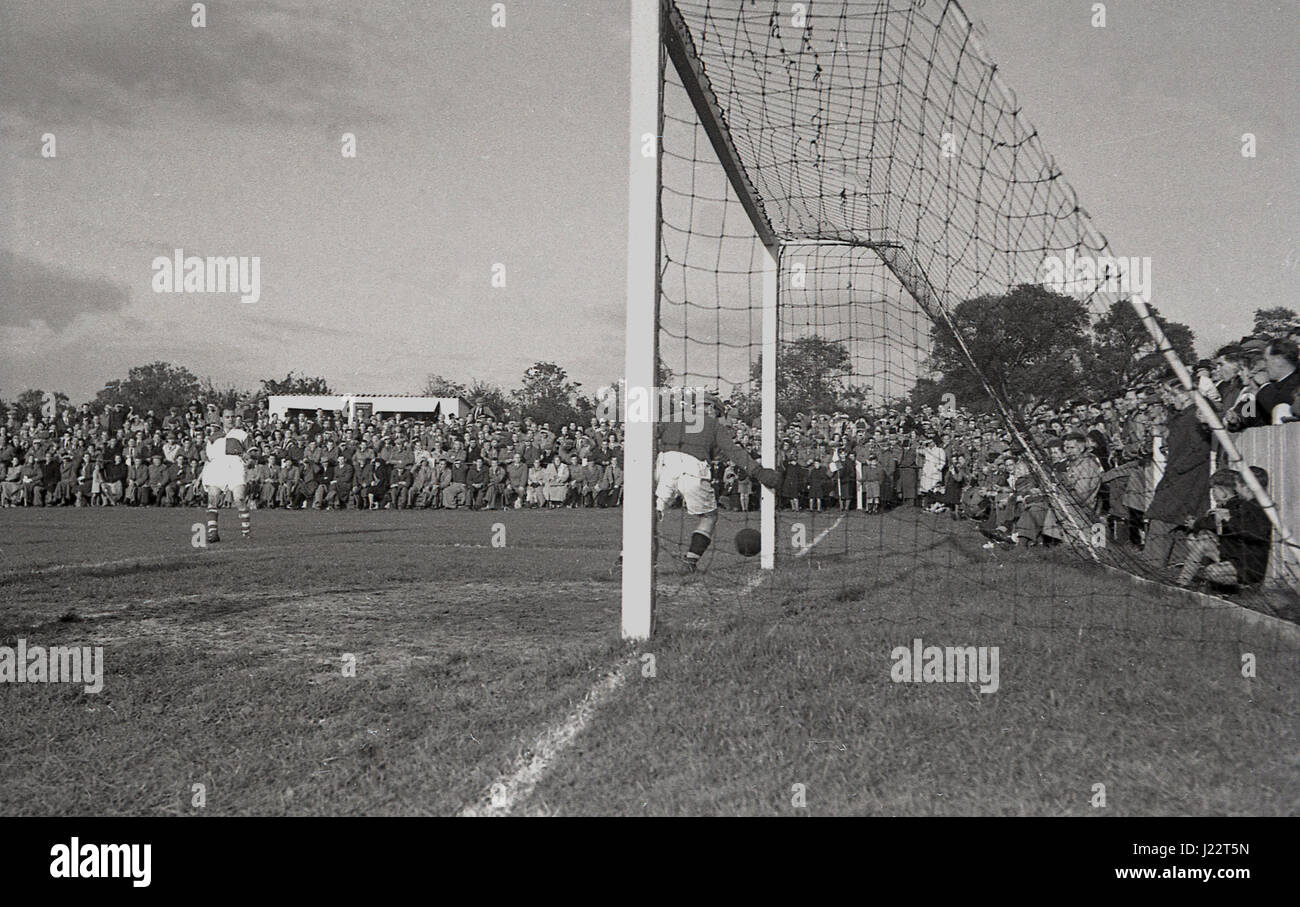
x=682 y=468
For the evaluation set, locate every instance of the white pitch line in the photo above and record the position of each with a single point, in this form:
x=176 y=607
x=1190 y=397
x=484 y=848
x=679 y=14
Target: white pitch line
x=532 y=764
x=758 y=580
x=821 y=535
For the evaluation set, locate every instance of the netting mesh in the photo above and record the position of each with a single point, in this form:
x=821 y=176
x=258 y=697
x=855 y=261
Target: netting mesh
x=874 y=145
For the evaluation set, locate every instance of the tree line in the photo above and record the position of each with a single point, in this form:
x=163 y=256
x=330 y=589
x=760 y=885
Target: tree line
x=1032 y=345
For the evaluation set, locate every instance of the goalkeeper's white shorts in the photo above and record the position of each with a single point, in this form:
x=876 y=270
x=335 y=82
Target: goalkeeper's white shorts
x=678 y=473
x=225 y=473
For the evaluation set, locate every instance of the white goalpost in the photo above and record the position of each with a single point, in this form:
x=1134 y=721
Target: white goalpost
x=642 y=343
x=657 y=32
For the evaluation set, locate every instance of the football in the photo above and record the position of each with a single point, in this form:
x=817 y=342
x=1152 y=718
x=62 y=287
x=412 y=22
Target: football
x=748 y=542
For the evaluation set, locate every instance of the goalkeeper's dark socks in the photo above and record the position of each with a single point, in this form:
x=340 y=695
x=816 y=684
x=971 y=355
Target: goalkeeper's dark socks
x=699 y=544
x=245 y=527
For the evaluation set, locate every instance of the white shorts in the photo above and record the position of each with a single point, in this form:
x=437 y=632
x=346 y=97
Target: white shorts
x=225 y=473
x=680 y=473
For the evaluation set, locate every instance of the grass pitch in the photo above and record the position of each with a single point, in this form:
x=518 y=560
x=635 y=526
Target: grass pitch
x=225 y=667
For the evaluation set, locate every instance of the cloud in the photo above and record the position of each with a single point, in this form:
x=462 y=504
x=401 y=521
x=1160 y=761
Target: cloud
x=32 y=292
x=115 y=61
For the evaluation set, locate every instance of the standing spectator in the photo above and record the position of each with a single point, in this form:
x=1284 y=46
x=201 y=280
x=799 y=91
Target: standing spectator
x=872 y=474
x=793 y=480
x=932 y=461
x=1273 y=400
x=1185 y=487
x=818 y=485
x=954 y=485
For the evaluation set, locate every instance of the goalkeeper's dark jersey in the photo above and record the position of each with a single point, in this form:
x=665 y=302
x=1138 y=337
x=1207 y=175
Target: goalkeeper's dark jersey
x=704 y=441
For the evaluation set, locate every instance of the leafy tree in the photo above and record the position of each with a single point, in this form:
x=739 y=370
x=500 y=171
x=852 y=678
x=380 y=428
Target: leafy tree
x=929 y=392
x=29 y=402
x=1029 y=343
x=481 y=392
x=1276 y=322
x=294 y=384
x=1123 y=355
x=547 y=395
x=812 y=376
x=156 y=386
x=224 y=396
x=438 y=386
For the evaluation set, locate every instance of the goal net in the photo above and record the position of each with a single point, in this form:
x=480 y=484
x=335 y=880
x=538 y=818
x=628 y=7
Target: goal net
x=865 y=249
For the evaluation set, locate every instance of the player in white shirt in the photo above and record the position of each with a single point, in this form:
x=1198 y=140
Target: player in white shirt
x=224 y=471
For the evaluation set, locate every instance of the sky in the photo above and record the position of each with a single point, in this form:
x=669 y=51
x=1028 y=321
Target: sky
x=480 y=146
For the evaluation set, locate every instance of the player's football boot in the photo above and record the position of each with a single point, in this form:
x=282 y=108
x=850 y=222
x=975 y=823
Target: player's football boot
x=689 y=564
x=213 y=538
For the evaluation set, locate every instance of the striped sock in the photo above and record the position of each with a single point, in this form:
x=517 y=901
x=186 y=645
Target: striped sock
x=244 y=525
x=212 y=522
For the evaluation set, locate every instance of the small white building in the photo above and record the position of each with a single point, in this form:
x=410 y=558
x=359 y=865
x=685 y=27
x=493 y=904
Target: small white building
x=362 y=406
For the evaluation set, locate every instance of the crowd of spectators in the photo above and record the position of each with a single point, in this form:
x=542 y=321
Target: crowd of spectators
x=115 y=457
x=1140 y=466
x=1135 y=471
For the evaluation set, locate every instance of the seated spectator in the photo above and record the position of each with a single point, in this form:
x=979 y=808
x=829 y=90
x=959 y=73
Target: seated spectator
x=47 y=485
x=112 y=485
x=557 y=480
x=137 y=483
x=341 y=486
x=68 y=479
x=162 y=489
x=290 y=480
x=537 y=477
x=456 y=492
x=1081 y=483
x=476 y=482
x=399 y=482
x=1229 y=546
x=516 y=481
x=612 y=480
x=498 y=481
